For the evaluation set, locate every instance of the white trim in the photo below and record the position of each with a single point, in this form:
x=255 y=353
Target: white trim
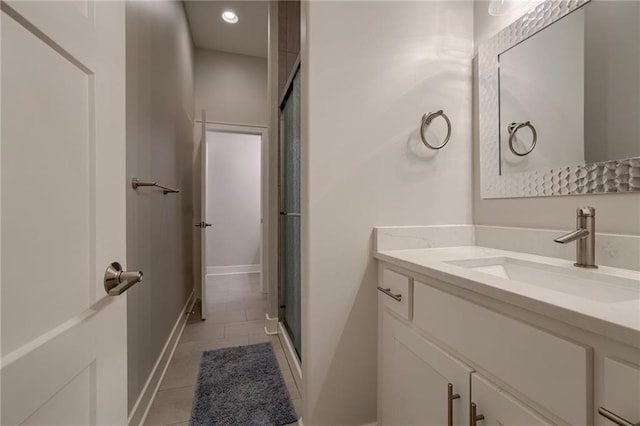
x=224 y=123
x=271 y=329
x=142 y=406
x=290 y=353
x=233 y=269
x=263 y=131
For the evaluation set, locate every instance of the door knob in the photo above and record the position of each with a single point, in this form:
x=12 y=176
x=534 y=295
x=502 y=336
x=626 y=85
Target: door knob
x=202 y=225
x=117 y=281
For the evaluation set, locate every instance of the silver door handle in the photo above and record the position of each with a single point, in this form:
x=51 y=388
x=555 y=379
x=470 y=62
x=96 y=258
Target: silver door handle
x=474 y=416
x=615 y=418
x=289 y=214
x=117 y=281
x=387 y=291
x=202 y=225
x=450 y=397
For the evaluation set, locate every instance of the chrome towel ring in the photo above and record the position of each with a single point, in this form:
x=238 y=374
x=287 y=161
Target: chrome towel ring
x=513 y=129
x=426 y=121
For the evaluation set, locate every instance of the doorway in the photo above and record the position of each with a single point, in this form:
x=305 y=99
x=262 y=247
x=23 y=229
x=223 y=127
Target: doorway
x=232 y=204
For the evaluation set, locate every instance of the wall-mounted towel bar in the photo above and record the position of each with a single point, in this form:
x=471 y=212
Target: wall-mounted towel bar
x=426 y=121
x=135 y=183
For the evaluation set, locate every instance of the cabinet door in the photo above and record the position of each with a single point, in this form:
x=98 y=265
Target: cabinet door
x=621 y=391
x=500 y=408
x=415 y=380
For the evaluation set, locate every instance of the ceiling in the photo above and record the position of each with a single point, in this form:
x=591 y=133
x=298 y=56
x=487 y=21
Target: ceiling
x=247 y=37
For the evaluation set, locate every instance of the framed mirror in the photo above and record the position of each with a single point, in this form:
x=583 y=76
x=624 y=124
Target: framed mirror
x=559 y=95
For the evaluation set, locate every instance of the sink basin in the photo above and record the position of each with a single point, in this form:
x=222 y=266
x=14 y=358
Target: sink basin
x=586 y=284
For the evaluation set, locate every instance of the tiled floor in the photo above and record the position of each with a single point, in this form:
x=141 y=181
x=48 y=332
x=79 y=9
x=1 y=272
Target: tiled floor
x=235 y=317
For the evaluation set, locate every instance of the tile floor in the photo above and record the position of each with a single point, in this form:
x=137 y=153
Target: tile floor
x=235 y=317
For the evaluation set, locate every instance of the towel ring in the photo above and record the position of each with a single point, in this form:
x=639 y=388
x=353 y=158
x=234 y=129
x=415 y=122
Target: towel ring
x=426 y=121
x=513 y=129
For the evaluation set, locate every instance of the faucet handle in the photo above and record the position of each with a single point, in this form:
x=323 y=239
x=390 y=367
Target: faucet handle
x=586 y=211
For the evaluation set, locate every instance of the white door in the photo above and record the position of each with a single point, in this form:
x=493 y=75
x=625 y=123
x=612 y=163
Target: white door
x=203 y=225
x=62 y=151
x=496 y=407
x=416 y=376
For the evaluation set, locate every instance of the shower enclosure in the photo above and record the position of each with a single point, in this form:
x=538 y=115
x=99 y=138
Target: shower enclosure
x=289 y=226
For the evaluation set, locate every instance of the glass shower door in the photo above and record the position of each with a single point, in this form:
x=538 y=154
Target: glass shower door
x=289 y=251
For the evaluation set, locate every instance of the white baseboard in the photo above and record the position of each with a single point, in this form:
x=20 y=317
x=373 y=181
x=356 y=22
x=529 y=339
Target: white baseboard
x=233 y=269
x=290 y=353
x=271 y=327
x=141 y=408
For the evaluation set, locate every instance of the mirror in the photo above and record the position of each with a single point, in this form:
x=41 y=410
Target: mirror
x=560 y=101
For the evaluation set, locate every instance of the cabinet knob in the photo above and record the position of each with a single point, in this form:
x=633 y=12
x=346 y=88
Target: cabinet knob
x=615 y=418
x=474 y=415
x=450 y=397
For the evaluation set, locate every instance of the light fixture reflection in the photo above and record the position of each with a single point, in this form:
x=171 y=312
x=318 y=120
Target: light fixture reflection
x=504 y=7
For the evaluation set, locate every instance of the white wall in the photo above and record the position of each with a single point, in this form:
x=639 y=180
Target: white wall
x=159 y=147
x=232 y=88
x=370 y=70
x=616 y=213
x=233 y=200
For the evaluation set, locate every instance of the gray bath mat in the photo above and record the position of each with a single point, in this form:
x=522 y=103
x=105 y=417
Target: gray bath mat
x=241 y=386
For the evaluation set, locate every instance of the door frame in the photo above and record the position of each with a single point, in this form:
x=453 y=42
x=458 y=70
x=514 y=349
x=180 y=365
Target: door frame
x=263 y=132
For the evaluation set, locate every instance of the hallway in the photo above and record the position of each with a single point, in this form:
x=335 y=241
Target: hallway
x=236 y=317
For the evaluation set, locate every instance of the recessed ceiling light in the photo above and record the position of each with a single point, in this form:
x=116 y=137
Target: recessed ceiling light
x=230 y=16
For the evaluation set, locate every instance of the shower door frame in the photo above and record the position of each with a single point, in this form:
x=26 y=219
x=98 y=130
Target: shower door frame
x=287 y=342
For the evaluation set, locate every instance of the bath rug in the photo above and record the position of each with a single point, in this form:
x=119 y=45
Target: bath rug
x=241 y=386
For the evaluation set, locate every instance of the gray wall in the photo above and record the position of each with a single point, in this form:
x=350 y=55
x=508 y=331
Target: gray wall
x=232 y=88
x=233 y=199
x=159 y=144
x=616 y=213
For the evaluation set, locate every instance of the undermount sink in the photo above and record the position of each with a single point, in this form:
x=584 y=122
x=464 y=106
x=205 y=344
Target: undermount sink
x=586 y=284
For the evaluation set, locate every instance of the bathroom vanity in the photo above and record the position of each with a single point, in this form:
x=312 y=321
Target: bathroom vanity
x=517 y=338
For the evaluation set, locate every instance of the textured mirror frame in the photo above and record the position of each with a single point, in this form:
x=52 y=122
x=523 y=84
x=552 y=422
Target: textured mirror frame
x=604 y=177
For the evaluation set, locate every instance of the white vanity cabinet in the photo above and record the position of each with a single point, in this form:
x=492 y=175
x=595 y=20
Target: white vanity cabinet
x=513 y=371
x=420 y=383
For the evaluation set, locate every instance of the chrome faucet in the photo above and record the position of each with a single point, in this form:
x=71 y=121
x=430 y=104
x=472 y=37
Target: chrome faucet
x=584 y=236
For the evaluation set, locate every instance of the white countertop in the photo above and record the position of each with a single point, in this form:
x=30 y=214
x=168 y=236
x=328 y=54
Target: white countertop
x=619 y=320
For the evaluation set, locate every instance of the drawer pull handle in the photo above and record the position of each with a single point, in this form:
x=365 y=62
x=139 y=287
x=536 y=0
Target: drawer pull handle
x=615 y=418
x=474 y=416
x=387 y=291
x=450 y=397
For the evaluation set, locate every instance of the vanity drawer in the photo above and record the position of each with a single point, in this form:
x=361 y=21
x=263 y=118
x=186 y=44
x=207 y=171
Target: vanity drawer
x=553 y=372
x=394 y=286
x=621 y=394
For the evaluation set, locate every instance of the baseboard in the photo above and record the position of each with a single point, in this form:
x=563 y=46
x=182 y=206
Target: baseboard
x=271 y=327
x=290 y=353
x=233 y=269
x=141 y=408
x=368 y=424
